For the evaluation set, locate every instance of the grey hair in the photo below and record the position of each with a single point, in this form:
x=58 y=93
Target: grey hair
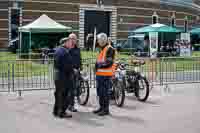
x=103 y=37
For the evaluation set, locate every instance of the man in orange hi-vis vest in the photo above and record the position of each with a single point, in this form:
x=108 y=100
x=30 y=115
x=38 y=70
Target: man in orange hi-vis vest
x=104 y=73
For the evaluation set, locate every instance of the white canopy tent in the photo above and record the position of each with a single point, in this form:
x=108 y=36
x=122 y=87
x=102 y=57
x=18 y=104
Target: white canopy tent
x=43 y=24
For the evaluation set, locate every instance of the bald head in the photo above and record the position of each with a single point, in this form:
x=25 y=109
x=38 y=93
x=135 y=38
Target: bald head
x=73 y=36
x=73 y=39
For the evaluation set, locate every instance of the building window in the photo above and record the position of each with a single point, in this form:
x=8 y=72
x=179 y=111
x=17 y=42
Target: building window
x=99 y=3
x=197 y=21
x=15 y=12
x=173 y=20
x=15 y=23
x=154 y=18
x=186 y=24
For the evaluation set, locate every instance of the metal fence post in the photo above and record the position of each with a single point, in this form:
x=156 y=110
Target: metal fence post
x=161 y=71
x=8 y=77
x=20 y=94
x=90 y=64
x=13 y=77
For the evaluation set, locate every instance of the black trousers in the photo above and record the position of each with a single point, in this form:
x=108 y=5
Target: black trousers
x=75 y=90
x=62 y=96
x=103 y=87
x=72 y=100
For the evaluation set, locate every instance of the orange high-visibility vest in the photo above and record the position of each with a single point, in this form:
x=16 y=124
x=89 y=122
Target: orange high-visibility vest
x=101 y=58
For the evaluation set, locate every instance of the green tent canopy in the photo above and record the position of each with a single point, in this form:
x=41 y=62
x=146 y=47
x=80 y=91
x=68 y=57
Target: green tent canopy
x=44 y=24
x=157 y=28
x=196 y=30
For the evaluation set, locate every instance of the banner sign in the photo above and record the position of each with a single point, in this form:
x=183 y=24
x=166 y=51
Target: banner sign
x=185 y=36
x=185 y=48
x=153 y=38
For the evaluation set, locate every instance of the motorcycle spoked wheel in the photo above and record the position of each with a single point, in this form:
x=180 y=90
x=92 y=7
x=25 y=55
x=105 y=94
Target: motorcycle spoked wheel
x=142 y=89
x=84 y=93
x=119 y=93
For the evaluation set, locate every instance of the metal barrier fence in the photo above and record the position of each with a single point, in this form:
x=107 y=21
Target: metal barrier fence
x=36 y=74
x=180 y=70
x=26 y=75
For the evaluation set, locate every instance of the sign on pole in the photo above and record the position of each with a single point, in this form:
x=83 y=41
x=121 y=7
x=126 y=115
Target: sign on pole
x=153 y=38
x=95 y=38
x=185 y=48
x=185 y=36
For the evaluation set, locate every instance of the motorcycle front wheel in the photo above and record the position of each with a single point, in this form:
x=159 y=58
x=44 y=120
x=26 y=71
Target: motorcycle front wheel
x=142 y=89
x=119 y=93
x=84 y=93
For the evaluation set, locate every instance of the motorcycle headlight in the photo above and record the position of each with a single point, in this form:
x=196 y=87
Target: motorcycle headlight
x=142 y=74
x=136 y=69
x=123 y=73
x=117 y=74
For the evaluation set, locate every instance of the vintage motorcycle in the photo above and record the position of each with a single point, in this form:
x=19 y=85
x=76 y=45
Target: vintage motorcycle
x=130 y=81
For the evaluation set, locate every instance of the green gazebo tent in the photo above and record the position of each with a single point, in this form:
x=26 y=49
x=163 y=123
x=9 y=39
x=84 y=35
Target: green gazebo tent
x=43 y=24
x=161 y=29
x=157 y=28
x=196 y=30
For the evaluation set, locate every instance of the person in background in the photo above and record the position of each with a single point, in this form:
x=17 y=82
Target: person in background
x=89 y=41
x=110 y=42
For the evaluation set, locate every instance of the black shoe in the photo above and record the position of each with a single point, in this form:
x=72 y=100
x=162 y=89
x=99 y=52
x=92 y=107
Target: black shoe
x=55 y=113
x=65 y=115
x=72 y=109
x=103 y=113
x=97 y=111
x=111 y=95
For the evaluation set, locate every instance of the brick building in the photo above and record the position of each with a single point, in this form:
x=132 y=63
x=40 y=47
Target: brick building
x=115 y=17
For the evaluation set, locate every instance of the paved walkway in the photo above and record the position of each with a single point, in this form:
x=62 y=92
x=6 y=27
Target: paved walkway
x=174 y=112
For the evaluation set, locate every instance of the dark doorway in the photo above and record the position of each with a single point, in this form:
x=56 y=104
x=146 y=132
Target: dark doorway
x=15 y=17
x=98 y=19
x=14 y=25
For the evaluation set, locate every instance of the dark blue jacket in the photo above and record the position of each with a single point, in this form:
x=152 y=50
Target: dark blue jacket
x=76 y=56
x=63 y=64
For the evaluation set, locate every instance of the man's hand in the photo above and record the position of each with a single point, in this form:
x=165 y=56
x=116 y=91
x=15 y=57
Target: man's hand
x=97 y=65
x=76 y=71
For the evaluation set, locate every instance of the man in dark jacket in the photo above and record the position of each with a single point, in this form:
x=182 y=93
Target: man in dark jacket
x=76 y=62
x=63 y=79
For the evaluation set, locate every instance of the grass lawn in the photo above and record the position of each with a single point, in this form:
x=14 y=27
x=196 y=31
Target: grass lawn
x=34 y=67
x=7 y=56
x=196 y=53
x=181 y=64
x=21 y=68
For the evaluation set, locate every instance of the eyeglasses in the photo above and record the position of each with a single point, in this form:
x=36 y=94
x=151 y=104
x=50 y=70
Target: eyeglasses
x=73 y=39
